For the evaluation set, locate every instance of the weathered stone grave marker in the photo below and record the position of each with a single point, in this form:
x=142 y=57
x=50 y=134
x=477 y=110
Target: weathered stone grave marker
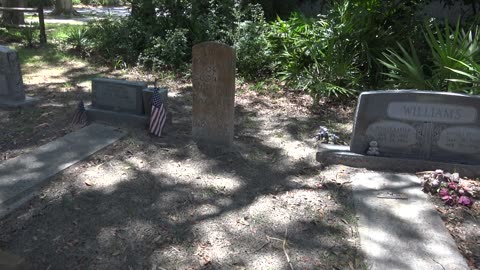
x=12 y=93
x=122 y=102
x=118 y=95
x=213 y=78
x=418 y=124
x=118 y=102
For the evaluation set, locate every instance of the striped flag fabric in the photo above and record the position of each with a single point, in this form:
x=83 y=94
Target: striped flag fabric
x=158 y=116
x=80 y=116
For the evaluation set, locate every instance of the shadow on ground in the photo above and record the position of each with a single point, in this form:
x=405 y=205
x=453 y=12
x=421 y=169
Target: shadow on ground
x=168 y=203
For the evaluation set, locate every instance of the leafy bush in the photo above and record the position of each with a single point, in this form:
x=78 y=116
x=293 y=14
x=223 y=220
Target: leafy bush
x=451 y=64
x=337 y=54
x=168 y=52
x=119 y=39
x=30 y=33
x=213 y=20
x=79 y=39
x=312 y=59
x=252 y=46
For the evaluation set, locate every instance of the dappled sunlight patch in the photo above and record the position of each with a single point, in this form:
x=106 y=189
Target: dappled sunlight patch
x=105 y=176
x=267 y=260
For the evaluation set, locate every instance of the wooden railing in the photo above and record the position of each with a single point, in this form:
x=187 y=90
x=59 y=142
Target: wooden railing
x=41 y=19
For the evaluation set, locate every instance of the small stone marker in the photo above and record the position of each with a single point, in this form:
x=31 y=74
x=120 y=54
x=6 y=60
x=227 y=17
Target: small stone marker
x=118 y=95
x=418 y=124
x=12 y=93
x=213 y=77
x=118 y=102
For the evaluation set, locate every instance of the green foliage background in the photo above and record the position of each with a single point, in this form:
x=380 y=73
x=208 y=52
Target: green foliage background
x=352 y=47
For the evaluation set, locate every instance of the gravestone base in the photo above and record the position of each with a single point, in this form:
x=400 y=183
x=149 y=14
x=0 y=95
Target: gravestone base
x=116 y=118
x=329 y=154
x=123 y=119
x=28 y=101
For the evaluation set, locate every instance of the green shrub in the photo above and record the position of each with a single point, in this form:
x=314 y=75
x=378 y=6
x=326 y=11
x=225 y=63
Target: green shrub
x=119 y=39
x=30 y=34
x=169 y=52
x=79 y=39
x=254 y=57
x=310 y=58
x=213 y=20
x=452 y=63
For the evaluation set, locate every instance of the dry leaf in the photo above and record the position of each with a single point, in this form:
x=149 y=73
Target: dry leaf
x=88 y=183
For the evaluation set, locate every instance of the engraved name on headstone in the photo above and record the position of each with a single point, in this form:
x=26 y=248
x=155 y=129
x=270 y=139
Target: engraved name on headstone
x=118 y=95
x=460 y=139
x=418 y=124
x=213 y=79
x=438 y=113
x=392 y=133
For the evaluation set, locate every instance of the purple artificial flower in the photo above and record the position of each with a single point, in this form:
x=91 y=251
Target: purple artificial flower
x=435 y=183
x=452 y=185
x=443 y=192
x=447 y=198
x=450 y=199
x=464 y=200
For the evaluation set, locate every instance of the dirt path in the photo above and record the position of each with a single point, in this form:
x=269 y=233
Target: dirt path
x=168 y=203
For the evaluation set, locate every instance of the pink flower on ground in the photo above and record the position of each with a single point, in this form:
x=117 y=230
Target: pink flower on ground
x=452 y=185
x=443 y=192
x=464 y=200
x=446 y=198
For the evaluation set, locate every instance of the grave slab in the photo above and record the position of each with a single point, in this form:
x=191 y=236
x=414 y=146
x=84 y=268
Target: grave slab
x=116 y=118
x=28 y=101
x=20 y=177
x=329 y=154
x=401 y=232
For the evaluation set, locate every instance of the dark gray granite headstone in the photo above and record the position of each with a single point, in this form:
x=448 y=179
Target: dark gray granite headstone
x=213 y=78
x=418 y=124
x=11 y=83
x=118 y=95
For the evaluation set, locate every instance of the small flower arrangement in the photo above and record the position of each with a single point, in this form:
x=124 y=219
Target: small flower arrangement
x=450 y=187
x=325 y=135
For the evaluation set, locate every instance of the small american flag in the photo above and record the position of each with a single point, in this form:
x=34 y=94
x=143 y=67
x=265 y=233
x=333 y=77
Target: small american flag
x=80 y=116
x=158 y=116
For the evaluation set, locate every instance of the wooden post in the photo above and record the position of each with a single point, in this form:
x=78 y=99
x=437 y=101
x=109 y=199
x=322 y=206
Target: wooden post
x=41 y=18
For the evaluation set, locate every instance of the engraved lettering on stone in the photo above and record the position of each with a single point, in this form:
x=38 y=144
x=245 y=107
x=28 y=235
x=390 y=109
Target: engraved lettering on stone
x=429 y=112
x=205 y=79
x=460 y=139
x=392 y=134
x=116 y=96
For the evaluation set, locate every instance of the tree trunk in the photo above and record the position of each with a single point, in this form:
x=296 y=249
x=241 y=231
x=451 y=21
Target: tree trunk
x=13 y=17
x=63 y=7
